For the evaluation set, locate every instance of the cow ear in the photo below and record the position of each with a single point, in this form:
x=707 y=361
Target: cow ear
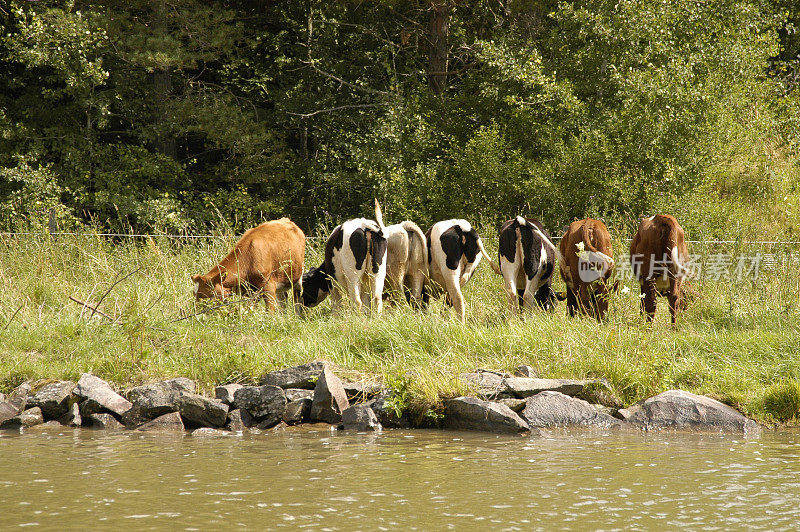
x=561 y=296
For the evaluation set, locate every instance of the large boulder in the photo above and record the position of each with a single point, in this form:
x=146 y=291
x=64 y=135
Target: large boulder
x=303 y=376
x=266 y=404
x=293 y=394
x=469 y=413
x=99 y=392
x=297 y=411
x=9 y=410
x=167 y=423
x=330 y=399
x=523 y=387
x=73 y=416
x=225 y=393
x=31 y=417
x=554 y=409
x=488 y=384
x=677 y=409
x=53 y=399
x=198 y=410
x=239 y=420
x=104 y=422
x=360 y=418
x=156 y=399
x=387 y=416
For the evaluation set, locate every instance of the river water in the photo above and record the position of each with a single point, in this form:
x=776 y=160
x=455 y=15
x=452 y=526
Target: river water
x=398 y=480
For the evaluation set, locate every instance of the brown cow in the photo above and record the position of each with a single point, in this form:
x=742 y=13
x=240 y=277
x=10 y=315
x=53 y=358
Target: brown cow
x=659 y=259
x=586 y=265
x=268 y=259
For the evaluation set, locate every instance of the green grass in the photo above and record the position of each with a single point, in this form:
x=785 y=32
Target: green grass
x=738 y=342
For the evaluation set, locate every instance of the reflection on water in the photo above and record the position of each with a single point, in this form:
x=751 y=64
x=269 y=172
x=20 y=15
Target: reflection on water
x=399 y=480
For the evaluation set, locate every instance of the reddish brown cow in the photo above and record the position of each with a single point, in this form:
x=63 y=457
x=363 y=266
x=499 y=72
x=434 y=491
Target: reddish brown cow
x=659 y=258
x=268 y=260
x=586 y=265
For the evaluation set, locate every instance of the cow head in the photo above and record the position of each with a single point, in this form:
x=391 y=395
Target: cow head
x=205 y=287
x=316 y=285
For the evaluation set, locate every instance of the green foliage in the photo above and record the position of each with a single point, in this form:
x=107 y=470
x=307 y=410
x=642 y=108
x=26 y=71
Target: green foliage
x=782 y=400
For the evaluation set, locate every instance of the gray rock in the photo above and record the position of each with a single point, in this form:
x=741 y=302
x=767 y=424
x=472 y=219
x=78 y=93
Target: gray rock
x=360 y=418
x=47 y=426
x=31 y=417
x=73 y=416
x=100 y=392
x=470 y=413
x=526 y=371
x=104 y=421
x=293 y=394
x=525 y=387
x=517 y=405
x=167 y=423
x=486 y=383
x=265 y=403
x=554 y=409
x=330 y=399
x=297 y=411
x=225 y=393
x=23 y=390
x=10 y=409
x=387 y=415
x=239 y=420
x=198 y=410
x=677 y=409
x=303 y=376
x=208 y=432
x=53 y=399
x=156 y=399
x=361 y=391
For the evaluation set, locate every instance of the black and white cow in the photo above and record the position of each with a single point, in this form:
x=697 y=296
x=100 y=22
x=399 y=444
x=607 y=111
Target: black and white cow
x=454 y=252
x=527 y=262
x=355 y=260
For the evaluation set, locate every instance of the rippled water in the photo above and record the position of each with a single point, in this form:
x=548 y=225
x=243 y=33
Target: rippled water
x=424 y=480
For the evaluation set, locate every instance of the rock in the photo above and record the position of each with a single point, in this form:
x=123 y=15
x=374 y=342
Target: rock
x=677 y=409
x=156 y=399
x=239 y=420
x=486 y=383
x=95 y=389
x=167 y=423
x=265 y=403
x=31 y=417
x=360 y=418
x=293 y=394
x=525 y=387
x=225 y=393
x=23 y=390
x=470 y=413
x=517 y=405
x=304 y=376
x=600 y=392
x=330 y=399
x=297 y=411
x=73 y=416
x=10 y=409
x=49 y=425
x=554 y=409
x=526 y=371
x=198 y=410
x=89 y=407
x=208 y=432
x=361 y=391
x=387 y=415
x=104 y=421
x=53 y=399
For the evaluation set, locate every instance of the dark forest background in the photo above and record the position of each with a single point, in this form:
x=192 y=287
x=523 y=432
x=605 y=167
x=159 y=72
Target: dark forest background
x=182 y=115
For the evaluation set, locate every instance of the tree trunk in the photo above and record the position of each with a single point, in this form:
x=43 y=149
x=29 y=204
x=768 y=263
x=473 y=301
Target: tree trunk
x=437 y=53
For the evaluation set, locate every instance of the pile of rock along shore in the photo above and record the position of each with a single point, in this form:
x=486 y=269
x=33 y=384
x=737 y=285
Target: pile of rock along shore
x=312 y=393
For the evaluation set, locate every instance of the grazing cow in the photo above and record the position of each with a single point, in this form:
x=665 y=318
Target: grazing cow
x=454 y=252
x=586 y=265
x=355 y=259
x=268 y=259
x=527 y=262
x=659 y=259
x=406 y=260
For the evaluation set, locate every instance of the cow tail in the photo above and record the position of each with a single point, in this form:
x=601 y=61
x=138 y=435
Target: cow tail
x=413 y=230
x=379 y=215
x=493 y=264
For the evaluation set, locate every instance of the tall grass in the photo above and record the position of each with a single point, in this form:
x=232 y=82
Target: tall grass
x=736 y=342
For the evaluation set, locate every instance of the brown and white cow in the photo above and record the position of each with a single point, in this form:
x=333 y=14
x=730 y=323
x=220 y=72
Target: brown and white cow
x=355 y=260
x=586 y=265
x=527 y=262
x=406 y=260
x=454 y=252
x=267 y=260
x=659 y=259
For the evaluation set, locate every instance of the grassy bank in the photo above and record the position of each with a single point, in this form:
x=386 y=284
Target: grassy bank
x=739 y=342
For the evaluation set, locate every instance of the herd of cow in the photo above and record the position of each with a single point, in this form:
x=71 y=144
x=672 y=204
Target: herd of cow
x=366 y=261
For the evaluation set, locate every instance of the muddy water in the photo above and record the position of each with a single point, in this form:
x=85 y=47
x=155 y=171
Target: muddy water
x=424 y=480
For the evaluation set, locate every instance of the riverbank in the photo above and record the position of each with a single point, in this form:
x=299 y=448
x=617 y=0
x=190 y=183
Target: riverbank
x=739 y=342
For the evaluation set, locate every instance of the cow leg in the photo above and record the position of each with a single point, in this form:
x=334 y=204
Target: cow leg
x=510 y=284
x=674 y=297
x=453 y=288
x=572 y=302
x=415 y=284
x=649 y=300
x=354 y=292
x=269 y=291
x=531 y=287
x=377 y=289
